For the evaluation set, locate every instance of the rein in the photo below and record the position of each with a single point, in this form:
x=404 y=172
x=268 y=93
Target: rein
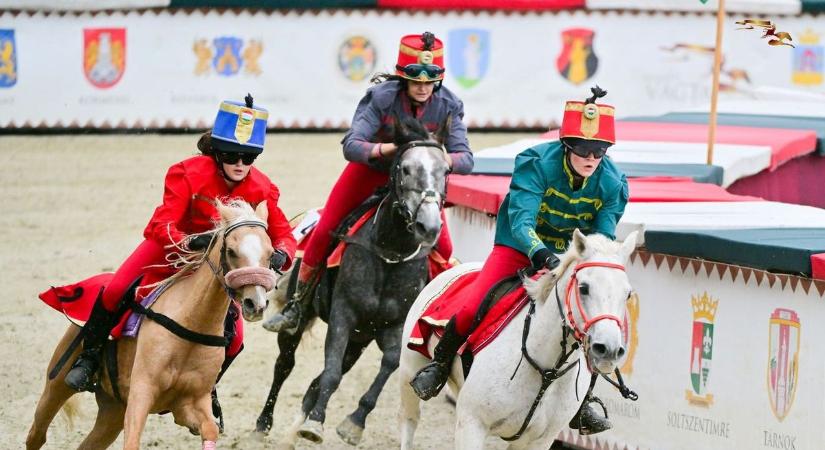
x=409 y=216
x=183 y=332
x=568 y=327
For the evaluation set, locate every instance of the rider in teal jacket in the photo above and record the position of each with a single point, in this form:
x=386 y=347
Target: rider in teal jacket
x=538 y=216
x=556 y=188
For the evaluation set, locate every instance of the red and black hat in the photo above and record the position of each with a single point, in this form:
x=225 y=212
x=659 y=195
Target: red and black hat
x=589 y=120
x=420 y=58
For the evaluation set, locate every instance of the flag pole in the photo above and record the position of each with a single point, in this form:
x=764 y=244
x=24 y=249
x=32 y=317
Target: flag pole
x=717 y=67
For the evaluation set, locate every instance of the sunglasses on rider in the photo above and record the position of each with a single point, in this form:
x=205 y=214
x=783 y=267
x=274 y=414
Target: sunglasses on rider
x=585 y=151
x=431 y=71
x=233 y=158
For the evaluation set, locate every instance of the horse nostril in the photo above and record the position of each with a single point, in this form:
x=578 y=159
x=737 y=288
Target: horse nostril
x=599 y=349
x=621 y=352
x=420 y=229
x=248 y=304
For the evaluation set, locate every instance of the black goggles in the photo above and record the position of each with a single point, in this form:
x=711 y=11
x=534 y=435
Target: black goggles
x=430 y=71
x=233 y=158
x=585 y=151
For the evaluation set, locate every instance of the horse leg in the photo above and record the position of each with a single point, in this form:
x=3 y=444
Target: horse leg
x=287 y=344
x=353 y=352
x=55 y=393
x=389 y=341
x=409 y=414
x=470 y=433
x=208 y=428
x=335 y=351
x=108 y=424
x=141 y=396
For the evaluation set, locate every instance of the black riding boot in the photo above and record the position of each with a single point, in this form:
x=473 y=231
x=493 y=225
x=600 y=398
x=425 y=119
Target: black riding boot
x=429 y=381
x=289 y=318
x=587 y=420
x=82 y=376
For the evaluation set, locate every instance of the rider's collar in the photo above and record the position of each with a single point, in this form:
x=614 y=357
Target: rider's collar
x=571 y=173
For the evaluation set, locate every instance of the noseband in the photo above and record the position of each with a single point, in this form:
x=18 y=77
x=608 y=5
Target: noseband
x=427 y=195
x=244 y=276
x=573 y=289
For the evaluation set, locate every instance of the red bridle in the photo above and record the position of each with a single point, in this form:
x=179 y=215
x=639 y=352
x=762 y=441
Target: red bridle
x=572 y=286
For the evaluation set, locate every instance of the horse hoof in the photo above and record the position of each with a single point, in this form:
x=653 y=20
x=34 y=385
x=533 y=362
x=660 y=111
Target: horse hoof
x=263 y=425
x=349 y=432
x=312 y=430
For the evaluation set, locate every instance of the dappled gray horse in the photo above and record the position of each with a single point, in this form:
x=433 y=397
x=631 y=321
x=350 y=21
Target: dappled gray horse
x=382 y=270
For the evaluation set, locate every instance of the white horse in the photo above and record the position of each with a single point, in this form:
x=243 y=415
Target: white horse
x=496 y=397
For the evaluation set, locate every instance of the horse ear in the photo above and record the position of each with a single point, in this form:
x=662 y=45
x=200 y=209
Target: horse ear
x=262 y=211
x=579 y=242
x=541 y=288
x=629 y=244
x=443 y=131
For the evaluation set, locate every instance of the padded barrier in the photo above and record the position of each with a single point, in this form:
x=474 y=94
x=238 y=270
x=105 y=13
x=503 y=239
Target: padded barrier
x=786 y=250
x=526 y=5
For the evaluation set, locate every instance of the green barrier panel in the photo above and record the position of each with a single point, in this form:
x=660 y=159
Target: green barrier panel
x=815 y=124
x=786 y=250
x=700 y=173
x=810 y=6
x=274 y=4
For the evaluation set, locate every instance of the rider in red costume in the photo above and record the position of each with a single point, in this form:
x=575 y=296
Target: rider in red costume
x=224 y=170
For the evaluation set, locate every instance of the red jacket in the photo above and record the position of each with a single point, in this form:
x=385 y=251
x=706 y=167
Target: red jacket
x=190 y=187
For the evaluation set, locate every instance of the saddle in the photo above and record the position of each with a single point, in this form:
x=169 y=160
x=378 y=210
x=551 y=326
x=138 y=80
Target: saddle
x=501 y=304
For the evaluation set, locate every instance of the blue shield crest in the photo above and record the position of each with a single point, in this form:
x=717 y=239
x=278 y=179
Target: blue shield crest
x=227 y=60
x=469 y=55
x=8 y=59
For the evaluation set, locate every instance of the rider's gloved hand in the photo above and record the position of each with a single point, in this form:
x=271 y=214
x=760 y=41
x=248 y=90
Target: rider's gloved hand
x=544 y=259
x=277 y=260
x=199 y=242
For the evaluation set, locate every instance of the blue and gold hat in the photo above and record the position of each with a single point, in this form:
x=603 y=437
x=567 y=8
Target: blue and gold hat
x=240 y=127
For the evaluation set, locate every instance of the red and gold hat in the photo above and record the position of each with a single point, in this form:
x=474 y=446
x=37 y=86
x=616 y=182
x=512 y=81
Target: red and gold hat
x=421 y=58
x=589 y=120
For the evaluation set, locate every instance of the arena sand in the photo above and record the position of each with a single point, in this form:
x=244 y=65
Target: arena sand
x=74 y=206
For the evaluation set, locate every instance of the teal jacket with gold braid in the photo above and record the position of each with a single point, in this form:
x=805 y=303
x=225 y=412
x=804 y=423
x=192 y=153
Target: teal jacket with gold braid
x=542 y=209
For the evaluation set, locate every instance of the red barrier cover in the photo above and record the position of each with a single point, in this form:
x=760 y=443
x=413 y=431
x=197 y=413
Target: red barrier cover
x=505 y=5
x=818 y=266
x=785 y=144
x=486 y=192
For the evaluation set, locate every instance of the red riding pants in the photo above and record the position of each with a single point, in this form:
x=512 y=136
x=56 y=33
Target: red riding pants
x=503 y=262
x=150 y=253
x=356 y=184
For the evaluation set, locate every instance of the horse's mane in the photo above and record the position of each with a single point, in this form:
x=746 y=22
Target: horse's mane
x=541 y=288
x=187 y=261
x=409 y=129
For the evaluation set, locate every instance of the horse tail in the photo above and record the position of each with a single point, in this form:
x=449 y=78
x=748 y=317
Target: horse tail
x=70 y=411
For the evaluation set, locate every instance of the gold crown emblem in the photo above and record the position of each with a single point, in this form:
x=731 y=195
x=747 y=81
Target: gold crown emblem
x=809 y=37
x=704 y=307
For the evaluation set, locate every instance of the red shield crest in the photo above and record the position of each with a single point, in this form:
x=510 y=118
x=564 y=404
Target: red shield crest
x=577 y=62
x=104 y=55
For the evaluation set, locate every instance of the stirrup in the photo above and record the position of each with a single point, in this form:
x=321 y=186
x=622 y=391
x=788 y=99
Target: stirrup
x=587 y=421
x=430 y=380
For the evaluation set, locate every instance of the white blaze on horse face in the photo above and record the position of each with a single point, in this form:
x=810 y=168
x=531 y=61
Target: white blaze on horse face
x=608 y=289
x=252 y=249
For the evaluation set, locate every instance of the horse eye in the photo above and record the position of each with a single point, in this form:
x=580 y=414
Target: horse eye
x=584 y=289
x=231 y=253
x=405 y=171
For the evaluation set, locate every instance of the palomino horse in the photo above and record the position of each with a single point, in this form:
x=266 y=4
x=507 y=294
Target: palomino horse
x=383 y=269
x=583 y=301
x=159 y=371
